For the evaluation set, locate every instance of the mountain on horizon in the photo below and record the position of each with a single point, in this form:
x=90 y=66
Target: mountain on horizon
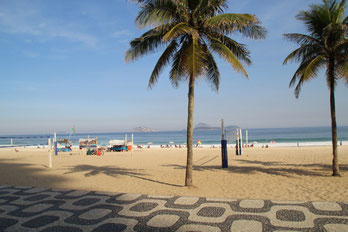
x=144 y=129
x=205 y=126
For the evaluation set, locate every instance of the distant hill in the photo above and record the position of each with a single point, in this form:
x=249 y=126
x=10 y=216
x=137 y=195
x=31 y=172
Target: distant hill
x=204 y=126
x=144 y=129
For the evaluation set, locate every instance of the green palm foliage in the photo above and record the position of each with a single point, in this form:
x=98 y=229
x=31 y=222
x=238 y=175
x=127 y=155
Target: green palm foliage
x=190 y=31
x=325 y=47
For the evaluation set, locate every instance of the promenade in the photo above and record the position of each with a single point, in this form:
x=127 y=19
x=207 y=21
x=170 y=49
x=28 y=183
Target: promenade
x=41 y=209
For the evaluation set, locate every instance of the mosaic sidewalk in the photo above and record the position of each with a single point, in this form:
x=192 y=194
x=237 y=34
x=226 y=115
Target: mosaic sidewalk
x=40 y=209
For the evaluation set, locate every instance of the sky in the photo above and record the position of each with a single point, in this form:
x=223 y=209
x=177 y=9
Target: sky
x=62 y=64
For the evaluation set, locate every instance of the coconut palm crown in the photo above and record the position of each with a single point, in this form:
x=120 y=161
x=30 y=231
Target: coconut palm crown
x=325 y=47
x=190 y=31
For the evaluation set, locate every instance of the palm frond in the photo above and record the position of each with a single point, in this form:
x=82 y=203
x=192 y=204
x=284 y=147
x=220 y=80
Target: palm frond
x=157 y=12
x=312 y=68
x=333 y=35
x=253 y=31
x=246 y=24
x=178 y=72
x=224 y=52
x=208 y=8
x=195 y=58
x=212 y=70
x=301 y=39
x=342 y=69
x=162 y=62
x=345 y=21
x=304 y=51
x=230 y=20
x=306 y=71
x=143 y=45
x=179 y=29
x=238 y=49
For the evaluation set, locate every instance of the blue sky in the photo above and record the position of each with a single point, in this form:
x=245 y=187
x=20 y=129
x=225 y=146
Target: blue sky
x=62 y=64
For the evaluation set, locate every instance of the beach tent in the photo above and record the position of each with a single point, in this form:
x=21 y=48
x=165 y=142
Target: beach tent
x=90 y=142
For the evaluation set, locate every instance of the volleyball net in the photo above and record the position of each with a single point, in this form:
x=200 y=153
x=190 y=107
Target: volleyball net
x=24 y=141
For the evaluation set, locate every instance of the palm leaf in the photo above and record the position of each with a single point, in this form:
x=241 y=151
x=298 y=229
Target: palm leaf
x=179 y=29
x=301 y=39
x=178 y=71
x=157 y=12
x=195 y=58
x=162 y=62
x=238 y=49
x=304 y=52
x=230 y=20
x=307 y=70
x=223 y=51
x=212 y=71
x=143 y=45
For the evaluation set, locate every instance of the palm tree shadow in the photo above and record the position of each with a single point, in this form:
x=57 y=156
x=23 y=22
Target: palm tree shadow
x=34 y=175
x=114 y=171
x=278 y=171
x=324 y=167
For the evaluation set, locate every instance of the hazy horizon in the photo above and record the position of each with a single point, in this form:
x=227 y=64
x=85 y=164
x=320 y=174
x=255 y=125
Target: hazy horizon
x=62 y=64
x=130 y=131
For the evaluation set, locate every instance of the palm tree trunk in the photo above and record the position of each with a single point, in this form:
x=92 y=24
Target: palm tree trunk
x=188 y=179
x=331 y=73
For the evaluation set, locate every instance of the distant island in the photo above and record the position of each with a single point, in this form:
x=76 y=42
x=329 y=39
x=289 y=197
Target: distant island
x=144 y=129
x=204 y=126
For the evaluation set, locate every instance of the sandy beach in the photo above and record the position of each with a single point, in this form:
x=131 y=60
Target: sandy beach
x=277 y=173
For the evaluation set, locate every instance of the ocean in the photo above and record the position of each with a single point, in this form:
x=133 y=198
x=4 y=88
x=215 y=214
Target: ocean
x=305 y=136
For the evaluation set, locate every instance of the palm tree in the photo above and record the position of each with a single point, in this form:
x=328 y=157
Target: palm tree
x=190 y=31
x=326 y=46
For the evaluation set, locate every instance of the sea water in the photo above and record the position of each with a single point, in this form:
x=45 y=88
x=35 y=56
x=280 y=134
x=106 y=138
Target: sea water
x=273 y=136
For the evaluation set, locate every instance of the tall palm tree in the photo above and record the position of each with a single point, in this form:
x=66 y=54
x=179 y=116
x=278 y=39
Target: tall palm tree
x=326 y=46
x=190 y=31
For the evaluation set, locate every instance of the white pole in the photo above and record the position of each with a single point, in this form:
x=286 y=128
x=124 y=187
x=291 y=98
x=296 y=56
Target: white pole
x=49 y=153
x=125 y=139
x=11 y=142
x=246 y=138
x=132 y=139
x=241 y=141
x=237 y=141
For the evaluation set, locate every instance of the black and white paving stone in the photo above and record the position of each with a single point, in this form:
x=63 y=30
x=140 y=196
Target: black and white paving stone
x=50 y=210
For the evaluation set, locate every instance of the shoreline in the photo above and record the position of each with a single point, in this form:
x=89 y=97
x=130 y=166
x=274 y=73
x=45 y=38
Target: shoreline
x=229 y=145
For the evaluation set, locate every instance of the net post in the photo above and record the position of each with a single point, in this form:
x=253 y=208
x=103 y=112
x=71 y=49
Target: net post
x=55 y=143
x=237 y=141
x=224 y=155
x=49 y=153
x=241 y=142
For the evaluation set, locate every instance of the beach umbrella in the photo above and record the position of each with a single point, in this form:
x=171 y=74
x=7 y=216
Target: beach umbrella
x=199 y=142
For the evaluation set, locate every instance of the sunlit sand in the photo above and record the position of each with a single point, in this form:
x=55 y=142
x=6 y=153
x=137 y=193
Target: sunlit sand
x=277 y=173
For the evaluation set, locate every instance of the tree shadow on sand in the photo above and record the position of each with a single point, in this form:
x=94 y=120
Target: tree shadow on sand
x=324 y=167
x=279 y=171
x=114 y=171
x=27 y=174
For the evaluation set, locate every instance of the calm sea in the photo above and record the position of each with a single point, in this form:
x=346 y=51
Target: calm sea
x=278 y=135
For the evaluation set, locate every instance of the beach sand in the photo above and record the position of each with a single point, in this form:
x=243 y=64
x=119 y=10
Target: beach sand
x=276 y=173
